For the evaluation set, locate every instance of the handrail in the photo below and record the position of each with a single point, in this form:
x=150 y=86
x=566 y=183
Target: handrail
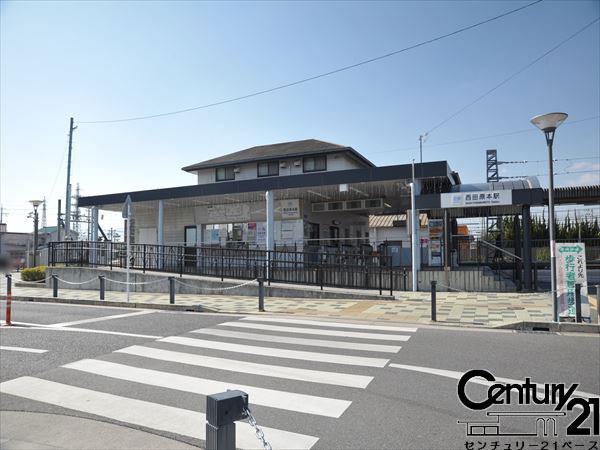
x=499 y=248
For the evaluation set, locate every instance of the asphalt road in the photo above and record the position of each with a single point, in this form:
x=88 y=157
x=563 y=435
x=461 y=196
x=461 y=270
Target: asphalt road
x=318 y=384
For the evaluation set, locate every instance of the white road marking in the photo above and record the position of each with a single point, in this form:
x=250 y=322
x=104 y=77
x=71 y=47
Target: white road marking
x=39 y=326
x=22 y=349
x=142 y=413
x=320 y=332
x=301 y=341
x=278 y=352
x=457 y=376
x=309 y=404
x=324 y=323
x=290 y=373
x=99 y=319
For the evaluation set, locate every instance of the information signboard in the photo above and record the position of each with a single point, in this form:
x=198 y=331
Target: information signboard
x=570 y=270
x=476 y=198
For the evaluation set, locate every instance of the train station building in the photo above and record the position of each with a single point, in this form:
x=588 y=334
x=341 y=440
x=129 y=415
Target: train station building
x=312 y=197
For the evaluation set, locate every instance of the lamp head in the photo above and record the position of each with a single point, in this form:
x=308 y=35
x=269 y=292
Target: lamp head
x=550 y=121
x=36 y=203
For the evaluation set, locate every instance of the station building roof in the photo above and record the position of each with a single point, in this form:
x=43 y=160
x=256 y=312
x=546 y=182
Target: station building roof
x=388 y=182
x=281 y=150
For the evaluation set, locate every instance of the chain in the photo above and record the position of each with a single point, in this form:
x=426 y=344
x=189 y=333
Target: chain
x=215 y=289
x=259 y=432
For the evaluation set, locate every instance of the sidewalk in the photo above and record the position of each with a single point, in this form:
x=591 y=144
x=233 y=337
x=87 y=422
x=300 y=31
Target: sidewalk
x=474 y=309
x=31 y=430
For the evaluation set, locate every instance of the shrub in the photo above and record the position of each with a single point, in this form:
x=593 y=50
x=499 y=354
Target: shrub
x=34 y=274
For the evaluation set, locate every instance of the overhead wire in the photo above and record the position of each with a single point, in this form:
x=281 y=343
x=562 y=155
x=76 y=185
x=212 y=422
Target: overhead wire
x=462 y=141
x=513 y=75
x=555 y=174
x=321 y=75
x=583 y=158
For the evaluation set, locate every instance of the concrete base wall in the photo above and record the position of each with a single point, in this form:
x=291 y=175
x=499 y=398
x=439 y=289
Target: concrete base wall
x=464 y=280
x=197 y=285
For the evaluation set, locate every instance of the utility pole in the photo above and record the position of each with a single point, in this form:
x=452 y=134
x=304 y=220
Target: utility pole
x=422 y=139
x=68 y=195
x=77 y=214
x=58 y=222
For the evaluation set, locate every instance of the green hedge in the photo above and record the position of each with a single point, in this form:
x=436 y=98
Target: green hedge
x=34 y=274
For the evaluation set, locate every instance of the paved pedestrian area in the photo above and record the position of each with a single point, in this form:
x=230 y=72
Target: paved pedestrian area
x=476 y=309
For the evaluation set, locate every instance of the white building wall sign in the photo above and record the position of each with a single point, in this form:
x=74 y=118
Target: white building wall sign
x=235 y=212
x=288 y=209
x=571 y=270
x=477 y=198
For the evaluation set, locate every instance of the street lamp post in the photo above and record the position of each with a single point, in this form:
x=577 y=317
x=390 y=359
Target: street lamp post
x=35 y=204
x=548 y=123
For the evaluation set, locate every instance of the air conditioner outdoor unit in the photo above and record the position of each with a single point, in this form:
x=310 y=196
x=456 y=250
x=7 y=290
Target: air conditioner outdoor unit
x=236 y=170
x=298 y=163
x=282 y=165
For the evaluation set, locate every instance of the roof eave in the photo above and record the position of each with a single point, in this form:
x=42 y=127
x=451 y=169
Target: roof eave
x=201 y=166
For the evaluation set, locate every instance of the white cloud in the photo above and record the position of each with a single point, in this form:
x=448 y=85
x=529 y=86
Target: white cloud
x=592 y=175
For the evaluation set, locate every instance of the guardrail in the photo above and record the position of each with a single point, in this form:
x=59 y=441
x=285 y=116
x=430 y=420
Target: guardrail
x=340 y=269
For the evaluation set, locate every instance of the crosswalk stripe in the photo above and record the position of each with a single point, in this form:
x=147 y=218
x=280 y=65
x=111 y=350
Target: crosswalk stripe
x=323 y=323
x=321 y=332
x=99 y=319
x=309 y=404
x=278 y=352
x=142 y=413
x=291 y=373
x=22 y=349
x=301 y=341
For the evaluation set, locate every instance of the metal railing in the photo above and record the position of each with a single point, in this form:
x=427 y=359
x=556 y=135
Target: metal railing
x=332 y=269
x=340 y=269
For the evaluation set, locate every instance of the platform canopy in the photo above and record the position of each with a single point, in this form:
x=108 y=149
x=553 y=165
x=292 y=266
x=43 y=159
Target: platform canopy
x=390 y=183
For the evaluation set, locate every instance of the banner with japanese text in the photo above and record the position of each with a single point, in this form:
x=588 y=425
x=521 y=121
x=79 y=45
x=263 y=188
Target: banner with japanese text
x=571 y=270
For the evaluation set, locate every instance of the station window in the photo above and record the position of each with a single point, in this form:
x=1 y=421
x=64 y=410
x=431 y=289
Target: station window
x=315 y=163
x=268 y=169
x=225 y=173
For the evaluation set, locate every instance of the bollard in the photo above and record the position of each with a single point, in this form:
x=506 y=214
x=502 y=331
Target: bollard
x=54 y=286
x=102 y=286
x=222 y=410
x=261 y=295
x=172 y=290
x=404 y=279
x=320 y=273
x=433 y=307
x=380 y=278
x=391 y=281
x=8 y=298
x=578 y=303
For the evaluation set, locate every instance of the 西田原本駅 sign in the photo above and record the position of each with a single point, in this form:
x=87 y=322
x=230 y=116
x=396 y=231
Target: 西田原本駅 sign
x=478 y=198
x=571 y=270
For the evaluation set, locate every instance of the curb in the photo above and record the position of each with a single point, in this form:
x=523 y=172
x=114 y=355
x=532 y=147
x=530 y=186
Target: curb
x=553 y=327
x=76 y=301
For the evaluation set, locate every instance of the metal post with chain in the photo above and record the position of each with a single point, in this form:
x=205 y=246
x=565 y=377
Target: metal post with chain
x=259 y=432
x=222 y=411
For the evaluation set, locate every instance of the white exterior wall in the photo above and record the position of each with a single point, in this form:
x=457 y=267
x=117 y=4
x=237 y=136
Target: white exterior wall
x=289 y=231
x=382 y=234
x=345 y=220
x=248 y=171
x=176 y=219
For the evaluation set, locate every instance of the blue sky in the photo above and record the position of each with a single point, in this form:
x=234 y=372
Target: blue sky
x=107 y=60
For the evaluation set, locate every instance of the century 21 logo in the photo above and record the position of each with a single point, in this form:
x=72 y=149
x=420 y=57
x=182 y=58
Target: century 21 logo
x=529 y=393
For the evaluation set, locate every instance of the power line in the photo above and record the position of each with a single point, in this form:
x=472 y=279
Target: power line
x=518 y=72
x=545 y=160
x=58 y=171
x=555 y=173
x=321 y=75
x=480 y=138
